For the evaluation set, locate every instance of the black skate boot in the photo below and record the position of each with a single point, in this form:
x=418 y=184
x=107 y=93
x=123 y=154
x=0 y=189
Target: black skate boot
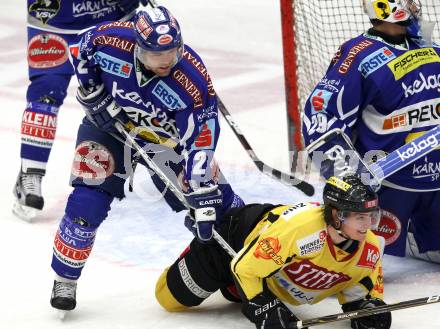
x=27 y=191
x=63 y=295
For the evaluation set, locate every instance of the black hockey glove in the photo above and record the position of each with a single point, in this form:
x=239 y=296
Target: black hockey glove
x=268 y=312
x=377 y=321
x=101 y=109
x=128 y=5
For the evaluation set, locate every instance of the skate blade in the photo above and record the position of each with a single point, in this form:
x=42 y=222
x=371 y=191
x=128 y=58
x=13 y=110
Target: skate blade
x=25 y=213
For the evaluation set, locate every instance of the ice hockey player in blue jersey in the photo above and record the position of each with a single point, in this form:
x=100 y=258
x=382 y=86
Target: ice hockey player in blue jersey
x=140 y=74
x=382 y=90
x=52 y=25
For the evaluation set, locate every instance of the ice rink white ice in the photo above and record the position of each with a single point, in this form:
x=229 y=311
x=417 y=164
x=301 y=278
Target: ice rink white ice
x=240 y=42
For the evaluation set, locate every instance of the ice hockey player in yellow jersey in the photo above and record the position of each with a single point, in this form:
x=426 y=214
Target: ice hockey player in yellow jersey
x=289 y=255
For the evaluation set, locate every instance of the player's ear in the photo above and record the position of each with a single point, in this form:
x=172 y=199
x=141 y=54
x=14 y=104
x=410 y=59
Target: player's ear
x=336 y=221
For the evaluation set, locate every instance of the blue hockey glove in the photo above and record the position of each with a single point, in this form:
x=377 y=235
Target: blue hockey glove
x=201 y=219
x=101 y=108
x=377 y=321
x=128 y=5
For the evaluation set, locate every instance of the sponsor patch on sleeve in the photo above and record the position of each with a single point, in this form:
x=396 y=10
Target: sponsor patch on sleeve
x=206 y=137
x=113 y=65
x=319 y=100
x=375 y=61
x=268 y=248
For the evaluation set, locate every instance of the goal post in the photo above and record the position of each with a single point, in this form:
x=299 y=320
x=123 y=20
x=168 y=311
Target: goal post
x=312 y=31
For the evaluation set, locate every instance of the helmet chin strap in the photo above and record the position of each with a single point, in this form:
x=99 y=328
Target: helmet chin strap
x=342 y=234
x=347 y=243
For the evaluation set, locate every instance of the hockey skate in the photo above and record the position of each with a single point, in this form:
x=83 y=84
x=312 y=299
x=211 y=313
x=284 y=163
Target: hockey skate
x=27 y=192
x=63 y=296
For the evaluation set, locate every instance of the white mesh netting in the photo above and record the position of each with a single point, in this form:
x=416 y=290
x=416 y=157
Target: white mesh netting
x=321 y=26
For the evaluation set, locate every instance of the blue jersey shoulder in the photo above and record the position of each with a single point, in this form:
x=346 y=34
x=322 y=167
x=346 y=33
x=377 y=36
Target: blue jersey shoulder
x=193 y=77
x=114 y=37
x=353 y=52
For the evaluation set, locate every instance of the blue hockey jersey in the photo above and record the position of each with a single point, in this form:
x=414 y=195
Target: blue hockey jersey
x=178 y=111
x=383 y=96
x=71 y=16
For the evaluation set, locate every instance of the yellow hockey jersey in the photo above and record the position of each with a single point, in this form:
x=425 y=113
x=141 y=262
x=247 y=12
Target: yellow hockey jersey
x=290 y=251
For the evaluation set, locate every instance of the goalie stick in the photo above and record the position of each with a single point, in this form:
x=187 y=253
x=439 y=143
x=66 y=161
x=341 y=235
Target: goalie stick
x=284 y=178
x=219 y=239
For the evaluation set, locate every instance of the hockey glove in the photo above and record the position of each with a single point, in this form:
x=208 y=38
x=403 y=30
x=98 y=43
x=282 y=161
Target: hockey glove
x=128 y=6
x=268 y=312
x=101 y=108
x=201 y=218
x=377 y=321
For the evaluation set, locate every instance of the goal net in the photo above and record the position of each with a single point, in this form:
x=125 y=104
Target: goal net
x=312 y=32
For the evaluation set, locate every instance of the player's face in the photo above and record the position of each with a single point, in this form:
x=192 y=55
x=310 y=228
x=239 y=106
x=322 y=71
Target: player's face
x=356 y=224
x=159 y=62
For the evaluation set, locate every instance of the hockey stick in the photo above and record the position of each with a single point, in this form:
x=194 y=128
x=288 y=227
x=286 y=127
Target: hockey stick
x=284 y=178
x=365 y=312
x=168 y=183
x=392 y=162
x=406 y=154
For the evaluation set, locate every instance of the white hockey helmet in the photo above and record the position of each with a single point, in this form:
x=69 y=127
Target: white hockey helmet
x=392 y=11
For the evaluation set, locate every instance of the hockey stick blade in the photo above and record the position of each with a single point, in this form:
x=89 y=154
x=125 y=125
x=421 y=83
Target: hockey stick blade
x=393 y=161
x=406 y=154
x=365 y=312
x=284 y=178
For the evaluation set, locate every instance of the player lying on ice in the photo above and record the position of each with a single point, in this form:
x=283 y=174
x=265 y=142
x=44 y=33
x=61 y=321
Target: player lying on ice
x=139 y=73
x=293 y=255
x=382 y=90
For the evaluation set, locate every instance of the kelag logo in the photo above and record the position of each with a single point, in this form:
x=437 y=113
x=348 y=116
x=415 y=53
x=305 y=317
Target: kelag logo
x=375 y=61
x=113 y=65
x=411 y=150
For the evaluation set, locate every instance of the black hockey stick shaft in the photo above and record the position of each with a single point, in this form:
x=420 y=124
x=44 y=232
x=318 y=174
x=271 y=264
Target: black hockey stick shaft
x=284 y=178
x=365 y=312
